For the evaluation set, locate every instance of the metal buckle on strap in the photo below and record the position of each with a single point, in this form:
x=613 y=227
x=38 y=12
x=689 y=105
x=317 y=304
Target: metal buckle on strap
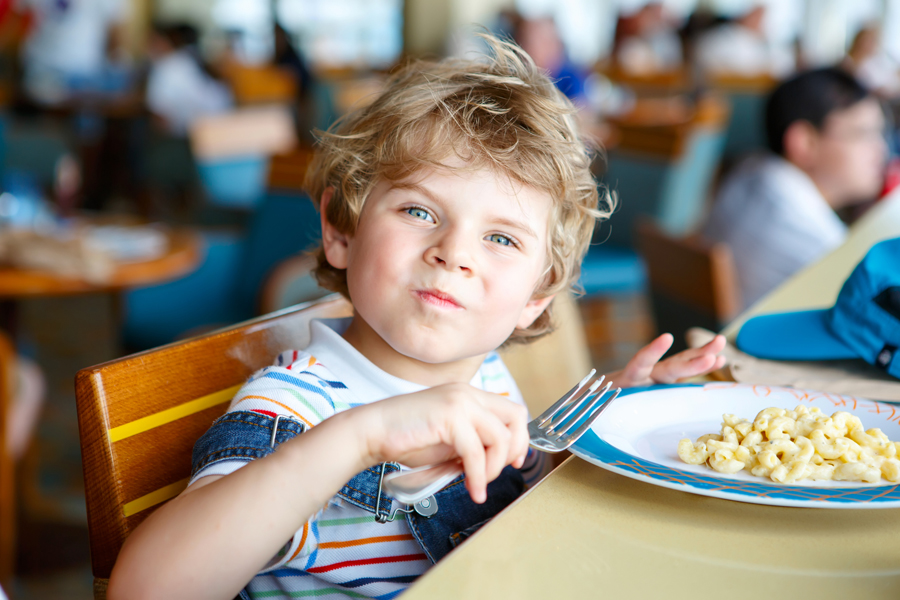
x=275 y=429
x=426 y=507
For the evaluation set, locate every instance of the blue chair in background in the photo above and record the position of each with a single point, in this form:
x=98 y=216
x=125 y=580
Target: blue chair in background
x=33 y=149
x=225 y=288
x=665 y=173
x=232 y=151
x=234 y=182
x=746 y=132
x=660 y=172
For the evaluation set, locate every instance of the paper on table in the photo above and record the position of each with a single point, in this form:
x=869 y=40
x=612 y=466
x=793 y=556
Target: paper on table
x=852 y=377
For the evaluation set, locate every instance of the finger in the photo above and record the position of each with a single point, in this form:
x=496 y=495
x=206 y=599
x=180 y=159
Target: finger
x=518 y=429
x=672 y=371
x=471 y=452
x=714 y=346
x=495 y=439
x=515 y=417
x=642 y=364
x=518 y=446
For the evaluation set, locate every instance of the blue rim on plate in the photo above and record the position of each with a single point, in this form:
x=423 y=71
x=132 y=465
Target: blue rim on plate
x=593 y=449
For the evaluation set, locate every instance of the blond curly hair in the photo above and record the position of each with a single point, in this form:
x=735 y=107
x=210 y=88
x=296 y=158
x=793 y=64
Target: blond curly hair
x=500 y=112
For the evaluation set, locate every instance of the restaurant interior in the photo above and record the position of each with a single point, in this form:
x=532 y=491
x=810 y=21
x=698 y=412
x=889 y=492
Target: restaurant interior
x=152 y=163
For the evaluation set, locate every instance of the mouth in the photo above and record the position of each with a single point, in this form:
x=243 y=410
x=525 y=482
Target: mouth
x=437 y=298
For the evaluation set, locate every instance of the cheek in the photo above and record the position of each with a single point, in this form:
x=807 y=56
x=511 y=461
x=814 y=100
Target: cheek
x=381 y=258
x=513 y=287
x=865 y=167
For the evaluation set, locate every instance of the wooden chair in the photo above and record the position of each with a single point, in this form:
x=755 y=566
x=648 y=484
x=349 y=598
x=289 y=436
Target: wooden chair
x=140 y=415
x=691 y=283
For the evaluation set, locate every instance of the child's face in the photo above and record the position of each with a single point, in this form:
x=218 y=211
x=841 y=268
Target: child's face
x=444 y=266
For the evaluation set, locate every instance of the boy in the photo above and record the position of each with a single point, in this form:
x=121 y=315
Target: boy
x=453 y=208
x=827 y=152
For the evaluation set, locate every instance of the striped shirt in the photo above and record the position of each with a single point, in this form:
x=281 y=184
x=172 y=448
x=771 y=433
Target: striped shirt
x=342 y=551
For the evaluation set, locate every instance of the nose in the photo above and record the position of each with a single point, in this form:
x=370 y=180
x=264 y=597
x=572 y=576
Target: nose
x=450 y=250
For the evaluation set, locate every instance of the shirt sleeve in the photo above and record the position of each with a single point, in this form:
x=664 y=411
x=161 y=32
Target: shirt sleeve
x=300 y=389
x=296 y=387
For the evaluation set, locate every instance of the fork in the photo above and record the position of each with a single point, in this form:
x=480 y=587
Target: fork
x=551 y=431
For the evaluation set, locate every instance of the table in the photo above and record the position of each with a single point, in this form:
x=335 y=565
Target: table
x=586 y=532
x=183 y=255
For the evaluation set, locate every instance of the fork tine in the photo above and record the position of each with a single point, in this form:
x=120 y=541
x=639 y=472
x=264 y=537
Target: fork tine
x=559 y=404
x=567 y=421
x=593 y=416
x=575 y=405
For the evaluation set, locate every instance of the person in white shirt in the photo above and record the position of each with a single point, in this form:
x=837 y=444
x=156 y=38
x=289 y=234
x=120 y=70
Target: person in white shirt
x=871 y=65
x=741 y=47
x=67 y=46
x=178 y=89
x=828 y=151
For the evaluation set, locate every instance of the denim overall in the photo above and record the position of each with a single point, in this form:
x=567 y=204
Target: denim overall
x=246 y=435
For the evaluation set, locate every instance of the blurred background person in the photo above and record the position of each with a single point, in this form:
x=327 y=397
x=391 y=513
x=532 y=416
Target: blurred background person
x=68 y=48
x=825 y=132
x=741 y=47
x=871 y=65
x=179 y=89
x=647 y=41
x=540 y=38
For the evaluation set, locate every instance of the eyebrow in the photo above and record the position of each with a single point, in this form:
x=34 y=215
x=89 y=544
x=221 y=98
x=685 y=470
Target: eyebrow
x=512 y=223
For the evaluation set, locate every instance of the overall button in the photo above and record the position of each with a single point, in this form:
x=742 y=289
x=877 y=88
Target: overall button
x=426 y=507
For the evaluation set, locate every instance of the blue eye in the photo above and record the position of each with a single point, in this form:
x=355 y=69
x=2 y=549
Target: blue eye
x=419 y=213
x=500 y=239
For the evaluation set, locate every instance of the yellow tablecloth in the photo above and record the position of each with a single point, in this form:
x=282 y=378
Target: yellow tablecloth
x=585 y=532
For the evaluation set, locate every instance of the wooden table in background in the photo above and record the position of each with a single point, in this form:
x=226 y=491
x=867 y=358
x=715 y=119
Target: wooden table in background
x=182 y=256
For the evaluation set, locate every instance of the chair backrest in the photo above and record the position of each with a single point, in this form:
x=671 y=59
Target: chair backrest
x=746 y=130
x=140 y=415
x=691 y=282
x=664 y=172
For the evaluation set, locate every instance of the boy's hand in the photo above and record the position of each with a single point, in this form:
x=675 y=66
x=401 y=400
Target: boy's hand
x=646 y=369
x=484 y=430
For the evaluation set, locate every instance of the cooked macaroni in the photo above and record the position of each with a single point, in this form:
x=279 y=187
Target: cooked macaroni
x=792 y=445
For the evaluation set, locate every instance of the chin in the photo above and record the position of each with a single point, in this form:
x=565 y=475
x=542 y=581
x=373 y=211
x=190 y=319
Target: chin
x=437 y=353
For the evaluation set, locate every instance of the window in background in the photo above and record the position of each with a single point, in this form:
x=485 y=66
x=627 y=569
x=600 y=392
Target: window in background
x=365 y=34
x=362 y=34
x=248 y=25
x=830 y=26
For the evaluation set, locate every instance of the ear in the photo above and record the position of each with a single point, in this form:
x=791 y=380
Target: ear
x=532 y=311
x=335 y=243
x=801 y=144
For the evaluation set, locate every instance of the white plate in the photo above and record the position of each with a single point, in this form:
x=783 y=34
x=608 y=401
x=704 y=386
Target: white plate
x=637 y=436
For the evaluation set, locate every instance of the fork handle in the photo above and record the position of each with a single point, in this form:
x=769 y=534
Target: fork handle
x=414 y=485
